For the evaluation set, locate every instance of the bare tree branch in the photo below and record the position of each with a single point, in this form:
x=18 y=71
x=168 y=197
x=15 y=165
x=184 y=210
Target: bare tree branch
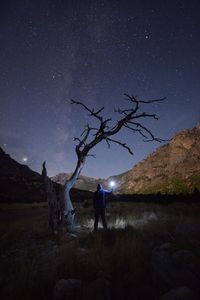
x=104 y=131
x=121 y=144
x=134 y=99
x=91 y=111
x=91 y=155
x=152 y=137
x=146 y=115
x=136 y=130
x=130 y=118
x=107 y=142
x=76 y=139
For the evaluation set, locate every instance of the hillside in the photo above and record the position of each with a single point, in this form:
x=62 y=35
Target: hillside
x=172 y=168
x=18 y=183
x=83 y=183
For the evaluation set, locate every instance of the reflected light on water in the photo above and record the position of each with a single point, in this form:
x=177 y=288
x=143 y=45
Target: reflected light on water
x=122 y=222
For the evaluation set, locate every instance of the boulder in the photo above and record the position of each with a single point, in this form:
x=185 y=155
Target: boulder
x=167 y=247
x=180 y=293
x=152 y=217
x=172 y=270
x=99 y=289
x=183 y=256
x=188 y=230
x=81 y=252
x=67 y=289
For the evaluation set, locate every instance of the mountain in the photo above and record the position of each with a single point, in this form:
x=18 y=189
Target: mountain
x=172 y=168
x=10 y=167
x=18 y=183
x=83 y=183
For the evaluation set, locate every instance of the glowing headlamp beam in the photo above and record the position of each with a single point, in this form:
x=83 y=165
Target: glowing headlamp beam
x=112 y=183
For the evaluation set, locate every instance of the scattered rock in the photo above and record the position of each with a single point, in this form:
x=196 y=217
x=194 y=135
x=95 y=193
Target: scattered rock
x=188 y=230
x=152 y=217
x=4 y=237
x=67 y=289
x=51 y=243
x=167 y=247
x=180 y=293
x=183 y=256
x=73 y=236
x=195 y=245
x=67 y=238
x=172 y=270
x=99 y=289
x=81 y=252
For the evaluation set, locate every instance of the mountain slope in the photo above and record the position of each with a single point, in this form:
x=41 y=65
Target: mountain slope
x=10 y=167
x=172 y=168
x=18 y=183
x=83 y=183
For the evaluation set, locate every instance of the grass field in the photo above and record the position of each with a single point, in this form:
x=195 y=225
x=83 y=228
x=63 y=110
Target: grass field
x=32 y=260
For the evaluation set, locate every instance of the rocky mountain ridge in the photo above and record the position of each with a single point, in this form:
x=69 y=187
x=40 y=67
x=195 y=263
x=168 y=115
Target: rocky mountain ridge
x=172 y=168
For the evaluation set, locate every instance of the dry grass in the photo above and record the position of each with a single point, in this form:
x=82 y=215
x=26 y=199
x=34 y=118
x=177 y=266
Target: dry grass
x=32 y=260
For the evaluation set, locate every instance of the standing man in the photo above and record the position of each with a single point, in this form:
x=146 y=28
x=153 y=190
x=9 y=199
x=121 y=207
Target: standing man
x=100 y=205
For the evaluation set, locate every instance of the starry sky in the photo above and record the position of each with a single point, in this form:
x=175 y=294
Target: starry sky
x=94 y=51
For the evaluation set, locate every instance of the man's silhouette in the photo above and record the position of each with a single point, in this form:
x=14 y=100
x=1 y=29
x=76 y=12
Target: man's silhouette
x=100 y=205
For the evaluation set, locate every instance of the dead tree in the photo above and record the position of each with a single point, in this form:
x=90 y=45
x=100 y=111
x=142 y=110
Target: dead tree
x=54 y=197
x=129 y=118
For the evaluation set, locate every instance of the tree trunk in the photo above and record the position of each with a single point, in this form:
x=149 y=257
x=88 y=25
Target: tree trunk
x=69 y=212
x=55 y=199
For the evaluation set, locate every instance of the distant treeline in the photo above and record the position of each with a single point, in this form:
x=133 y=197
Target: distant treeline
x=158 y=198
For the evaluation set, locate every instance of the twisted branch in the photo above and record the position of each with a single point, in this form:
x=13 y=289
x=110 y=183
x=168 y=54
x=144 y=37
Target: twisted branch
x=104 y=131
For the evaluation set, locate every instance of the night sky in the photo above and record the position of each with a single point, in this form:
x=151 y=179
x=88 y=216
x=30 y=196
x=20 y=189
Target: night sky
x=94 y=51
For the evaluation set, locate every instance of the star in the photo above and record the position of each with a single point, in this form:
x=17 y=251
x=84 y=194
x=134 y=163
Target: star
x=24 y=159
x=94 y=53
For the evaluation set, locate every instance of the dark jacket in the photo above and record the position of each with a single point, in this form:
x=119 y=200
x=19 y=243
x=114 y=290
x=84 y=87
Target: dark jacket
x=100 y=197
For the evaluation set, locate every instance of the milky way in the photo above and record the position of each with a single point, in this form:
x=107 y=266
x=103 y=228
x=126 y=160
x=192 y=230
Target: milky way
x=94 y=51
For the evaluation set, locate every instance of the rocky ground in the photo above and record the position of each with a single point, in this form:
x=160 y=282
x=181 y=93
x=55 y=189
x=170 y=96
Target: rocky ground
x=150 y=252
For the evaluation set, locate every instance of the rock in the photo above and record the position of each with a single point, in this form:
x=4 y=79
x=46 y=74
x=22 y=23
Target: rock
x=171 y=271
x=191 y=230
x=67 y=289
x=167 y=247
x=4 y=237
x=68 y=238
x=51 y=243
x=195 y=244
x=183 y=256
x=152 y=217
x=73 y=236
x=180 y=293
x=99 y=289
x=81 y=252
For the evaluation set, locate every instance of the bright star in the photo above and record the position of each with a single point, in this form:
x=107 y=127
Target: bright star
x=24 y=159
